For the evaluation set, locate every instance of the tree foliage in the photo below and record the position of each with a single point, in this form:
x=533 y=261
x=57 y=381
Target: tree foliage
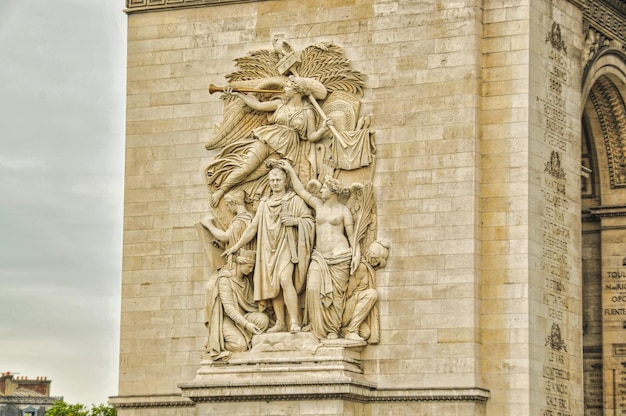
x=61 y=408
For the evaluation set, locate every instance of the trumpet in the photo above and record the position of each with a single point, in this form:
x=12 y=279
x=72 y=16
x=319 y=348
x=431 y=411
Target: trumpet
x=213 y=88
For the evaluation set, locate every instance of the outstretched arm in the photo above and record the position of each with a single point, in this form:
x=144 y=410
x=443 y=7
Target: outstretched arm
x=246 y=237
x=223 y=236
x=253 y=102
x=298 y=188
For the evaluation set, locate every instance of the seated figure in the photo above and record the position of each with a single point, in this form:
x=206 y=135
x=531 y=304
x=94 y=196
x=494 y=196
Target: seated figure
x=360 y=316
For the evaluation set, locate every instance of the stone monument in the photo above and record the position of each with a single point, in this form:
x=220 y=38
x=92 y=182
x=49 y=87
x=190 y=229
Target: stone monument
x=368 y=207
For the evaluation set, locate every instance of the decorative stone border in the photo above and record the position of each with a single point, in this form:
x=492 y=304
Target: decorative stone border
x=607 y=17
x=151 y=401
x=137 y=6
x=338 y=391
x=355 y=392
x=612 y=118
x=40 y=400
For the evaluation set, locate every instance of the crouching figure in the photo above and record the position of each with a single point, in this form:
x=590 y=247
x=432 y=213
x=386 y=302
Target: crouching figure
x=232 y=316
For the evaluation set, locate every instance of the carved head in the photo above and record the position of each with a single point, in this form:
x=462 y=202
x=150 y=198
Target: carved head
x=335 y=187
x=377 y=254
x=245 y=260
x=308 y=86
x=245 y=256
x=278 y=178
x=234 y=198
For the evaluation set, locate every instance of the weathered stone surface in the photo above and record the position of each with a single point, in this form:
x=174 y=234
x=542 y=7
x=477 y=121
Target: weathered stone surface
x=501 y=255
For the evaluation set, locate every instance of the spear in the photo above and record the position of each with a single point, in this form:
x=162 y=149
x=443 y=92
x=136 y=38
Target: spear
x=286 y=65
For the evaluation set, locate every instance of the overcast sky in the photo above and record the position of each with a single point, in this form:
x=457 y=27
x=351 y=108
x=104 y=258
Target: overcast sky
x=62 y=86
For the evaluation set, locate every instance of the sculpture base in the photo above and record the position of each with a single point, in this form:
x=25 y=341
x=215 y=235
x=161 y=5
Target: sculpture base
x=297 y=374
x=280 y=359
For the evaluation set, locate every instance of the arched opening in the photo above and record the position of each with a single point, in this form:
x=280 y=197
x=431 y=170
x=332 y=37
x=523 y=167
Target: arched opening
x=603 y=192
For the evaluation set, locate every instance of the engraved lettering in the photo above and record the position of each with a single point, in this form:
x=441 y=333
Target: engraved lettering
x=615 y=311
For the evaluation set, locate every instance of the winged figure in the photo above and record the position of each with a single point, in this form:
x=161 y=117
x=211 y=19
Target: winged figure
x=282 y=125
x=295 y=117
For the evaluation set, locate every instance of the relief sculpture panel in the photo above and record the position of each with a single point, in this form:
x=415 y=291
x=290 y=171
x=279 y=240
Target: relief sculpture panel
x=291 y=238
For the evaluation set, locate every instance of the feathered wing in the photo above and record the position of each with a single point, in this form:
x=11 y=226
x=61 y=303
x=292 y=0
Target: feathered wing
x=328 y=64
x=364 y=215
x=256 y=65
x=238 y=122
x=324 y=62
x=258 y=69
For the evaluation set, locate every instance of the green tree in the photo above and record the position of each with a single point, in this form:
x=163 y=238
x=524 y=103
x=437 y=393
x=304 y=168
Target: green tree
x=61 y=408
x=103 y=410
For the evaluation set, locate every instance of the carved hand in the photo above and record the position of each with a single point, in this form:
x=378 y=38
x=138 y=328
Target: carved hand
x=286 y=166
x=356 y=259
x=230 y=251
x=288 y=221
x=250 y=327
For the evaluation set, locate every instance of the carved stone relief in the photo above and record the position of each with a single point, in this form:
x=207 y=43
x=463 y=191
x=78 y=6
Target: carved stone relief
x=604 y=29
x=612 y=118
x=291 y=236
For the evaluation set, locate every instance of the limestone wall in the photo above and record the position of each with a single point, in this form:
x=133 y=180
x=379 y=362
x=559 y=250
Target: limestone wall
x=448 y=86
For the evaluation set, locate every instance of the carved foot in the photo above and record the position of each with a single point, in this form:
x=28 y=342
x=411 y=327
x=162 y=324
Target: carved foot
x=279 y=327
x=295 y=328
x=306 y=328
x=332 y=335
x=353 y=336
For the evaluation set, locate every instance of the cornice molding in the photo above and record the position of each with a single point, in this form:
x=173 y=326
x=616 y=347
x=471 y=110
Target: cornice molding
x=607 y=17
x=581 y=4
x=142 y=6
x=616 y=5
x=354 y=392
x=149 y=401
x=29 y=399
x=609 y=211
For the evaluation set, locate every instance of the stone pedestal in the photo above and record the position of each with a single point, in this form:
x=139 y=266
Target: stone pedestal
x=297 y=374
x=279 y=366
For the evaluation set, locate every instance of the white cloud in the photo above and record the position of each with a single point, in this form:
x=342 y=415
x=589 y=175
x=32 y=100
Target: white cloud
x=20 y=163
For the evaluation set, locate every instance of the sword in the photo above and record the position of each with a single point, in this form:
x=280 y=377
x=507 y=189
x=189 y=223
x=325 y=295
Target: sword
x=291 y=238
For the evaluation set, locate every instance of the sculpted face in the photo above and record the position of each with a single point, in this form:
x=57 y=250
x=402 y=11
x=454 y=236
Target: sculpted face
x=231 y=206
x=246 y=268
x=325 y=192
x=377 y=255
x=290 y=91
x=278 y=180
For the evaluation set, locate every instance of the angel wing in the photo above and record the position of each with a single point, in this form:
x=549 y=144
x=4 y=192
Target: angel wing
x=237 y=123
x=239 y=119
x=356 y=198
x=363 y=208
x=328 y=64
x=313 y=187
x=258 y=69
x=256 y=65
